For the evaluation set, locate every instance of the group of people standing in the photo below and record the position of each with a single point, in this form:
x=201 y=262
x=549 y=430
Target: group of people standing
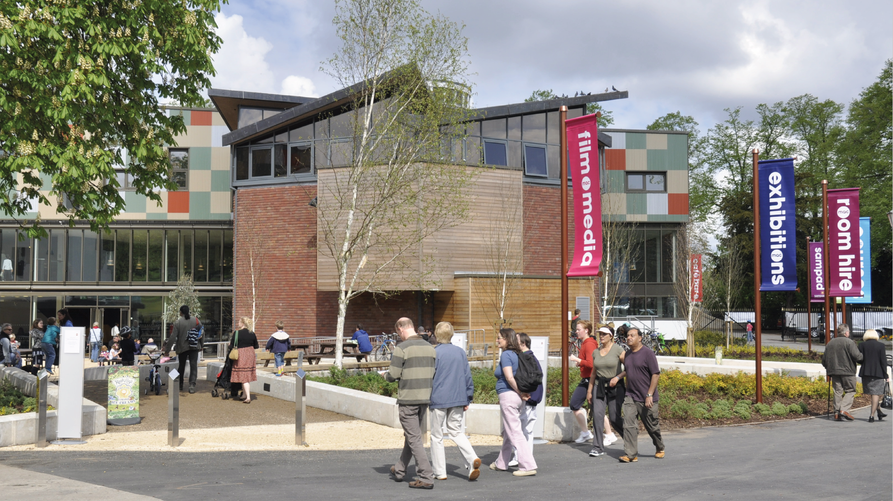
x=840 y=358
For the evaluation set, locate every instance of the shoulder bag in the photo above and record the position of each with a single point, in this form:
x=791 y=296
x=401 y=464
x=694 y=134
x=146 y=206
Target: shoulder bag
x=887 y=401
x=234 y=353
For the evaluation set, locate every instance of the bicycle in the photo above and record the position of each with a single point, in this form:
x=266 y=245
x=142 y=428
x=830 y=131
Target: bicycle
x=573 y=346
x=387 y=343
x=154 y=378
x=656 y=341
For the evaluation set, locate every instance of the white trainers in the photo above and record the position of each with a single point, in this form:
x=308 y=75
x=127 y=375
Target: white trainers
x=610 y=439
x=585 y=436
x=513 y=462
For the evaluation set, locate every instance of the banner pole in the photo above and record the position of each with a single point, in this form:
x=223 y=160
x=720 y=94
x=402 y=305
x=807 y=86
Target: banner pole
x=564 y=331
x=756 y=275
x=827 y=259
x=808 y=308
x=843 y=311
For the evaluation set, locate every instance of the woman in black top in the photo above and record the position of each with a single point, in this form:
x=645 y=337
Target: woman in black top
x=128 y=347
x=873 y=371
x=244 y=369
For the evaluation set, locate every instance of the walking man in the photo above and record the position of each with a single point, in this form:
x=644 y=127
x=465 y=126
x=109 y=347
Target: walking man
x=412 y=365
x=839 y=360
x=642 y=374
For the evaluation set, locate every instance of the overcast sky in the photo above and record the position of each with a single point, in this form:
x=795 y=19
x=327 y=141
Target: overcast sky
x=696 y=57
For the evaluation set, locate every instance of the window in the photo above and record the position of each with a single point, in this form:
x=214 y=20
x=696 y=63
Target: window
x=301 y=158
x=495 y=153
x=535 y=160
x=646 y=182
x=250 y=115
x=179 y=158
x=261 y=162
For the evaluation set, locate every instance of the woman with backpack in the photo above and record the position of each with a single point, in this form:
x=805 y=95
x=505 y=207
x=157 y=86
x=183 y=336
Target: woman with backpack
x=511 y=401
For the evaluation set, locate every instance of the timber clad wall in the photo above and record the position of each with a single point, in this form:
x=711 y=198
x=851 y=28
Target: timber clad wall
x=376 y=314
x=279 y=225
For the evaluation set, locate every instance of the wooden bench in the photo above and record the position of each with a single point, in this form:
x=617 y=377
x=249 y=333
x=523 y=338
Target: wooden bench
x=268 y=357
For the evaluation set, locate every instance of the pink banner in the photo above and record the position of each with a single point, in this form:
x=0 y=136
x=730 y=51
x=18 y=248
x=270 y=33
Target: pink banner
x=843 y=243
x=582 y=146
x=816 y=272
x=697 y=288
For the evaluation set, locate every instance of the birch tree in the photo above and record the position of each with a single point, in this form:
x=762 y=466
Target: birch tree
x=392 y=183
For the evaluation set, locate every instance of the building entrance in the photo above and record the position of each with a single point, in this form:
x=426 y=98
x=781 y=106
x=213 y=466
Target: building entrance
x=106 y=316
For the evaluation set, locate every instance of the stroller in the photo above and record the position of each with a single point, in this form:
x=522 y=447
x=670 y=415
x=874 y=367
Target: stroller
x=222 y=387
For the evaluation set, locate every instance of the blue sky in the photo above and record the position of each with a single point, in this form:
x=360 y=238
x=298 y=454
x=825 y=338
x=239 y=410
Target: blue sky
x=696 y=57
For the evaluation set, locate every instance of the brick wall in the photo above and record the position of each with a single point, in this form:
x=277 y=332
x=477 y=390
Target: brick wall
x=542 y=234
x=278 y=225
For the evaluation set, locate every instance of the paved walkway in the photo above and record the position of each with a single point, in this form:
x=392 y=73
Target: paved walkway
x=807 y=459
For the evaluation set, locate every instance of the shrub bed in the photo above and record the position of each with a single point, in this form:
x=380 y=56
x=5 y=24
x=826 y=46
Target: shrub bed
x=12 y=401
x=686 y=400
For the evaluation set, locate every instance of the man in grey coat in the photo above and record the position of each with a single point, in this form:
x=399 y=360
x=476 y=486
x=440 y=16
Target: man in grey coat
x=839 y=360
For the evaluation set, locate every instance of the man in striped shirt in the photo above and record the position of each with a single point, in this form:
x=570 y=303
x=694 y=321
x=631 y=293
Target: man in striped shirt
x=412 y=364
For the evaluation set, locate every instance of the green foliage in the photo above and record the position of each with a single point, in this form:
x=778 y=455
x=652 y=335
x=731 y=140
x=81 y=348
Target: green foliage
x=742 y=409
x=744 y=352
x=13 y=401
x=370 y=382
x=798 y=408
x=183 y=293
x=82 y=82
x=779 y=409
x=722 y=409
x=763 y=409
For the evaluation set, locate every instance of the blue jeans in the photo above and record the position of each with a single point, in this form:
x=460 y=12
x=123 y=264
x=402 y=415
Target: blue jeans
x=49 y=353
x=280 y=359
x=94 y=352
x=750 y=338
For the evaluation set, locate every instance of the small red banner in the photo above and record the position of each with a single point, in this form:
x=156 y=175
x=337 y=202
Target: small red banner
x=697 y=287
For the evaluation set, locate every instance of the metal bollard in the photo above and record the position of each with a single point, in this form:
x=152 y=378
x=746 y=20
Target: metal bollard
x=173 y=409
x=42 y=377
x=300 y=406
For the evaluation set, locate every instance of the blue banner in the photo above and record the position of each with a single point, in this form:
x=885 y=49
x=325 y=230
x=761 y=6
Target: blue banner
x=865 y=258
x=778 y=244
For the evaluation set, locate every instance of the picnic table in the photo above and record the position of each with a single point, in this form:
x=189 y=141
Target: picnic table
x=327 y=350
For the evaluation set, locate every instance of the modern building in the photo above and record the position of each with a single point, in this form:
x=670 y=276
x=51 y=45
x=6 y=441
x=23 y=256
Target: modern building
x=122 y=276
x=284 y=161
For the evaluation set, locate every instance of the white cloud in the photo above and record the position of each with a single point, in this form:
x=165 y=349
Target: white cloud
x=298 y=86
x=241 y=63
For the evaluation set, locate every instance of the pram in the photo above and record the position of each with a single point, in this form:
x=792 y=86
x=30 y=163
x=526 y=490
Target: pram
x=223 y=387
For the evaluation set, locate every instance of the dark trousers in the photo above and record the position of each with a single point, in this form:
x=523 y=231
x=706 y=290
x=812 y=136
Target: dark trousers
x=631 y=411
x=192 y=356
x=413 y=419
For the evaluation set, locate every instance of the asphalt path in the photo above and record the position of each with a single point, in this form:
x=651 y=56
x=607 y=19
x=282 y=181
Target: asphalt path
x=806 y=459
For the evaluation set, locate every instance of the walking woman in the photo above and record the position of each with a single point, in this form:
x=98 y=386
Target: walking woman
x=180 y=341
x=606 y=390
x=245 y=368
x=510 y=402
x=48 y=343
x=36 y=337
x=873 y=371
x=584 y=362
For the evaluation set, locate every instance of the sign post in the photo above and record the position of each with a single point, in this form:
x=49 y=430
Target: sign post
x=72 y=341
x=300 y=406
x=41 y=440
x=173 y=410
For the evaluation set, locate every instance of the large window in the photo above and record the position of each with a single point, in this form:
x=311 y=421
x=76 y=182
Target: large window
x=646 y=182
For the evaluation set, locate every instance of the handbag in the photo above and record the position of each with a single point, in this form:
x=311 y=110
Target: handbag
x=234 y=353
x=887 y=401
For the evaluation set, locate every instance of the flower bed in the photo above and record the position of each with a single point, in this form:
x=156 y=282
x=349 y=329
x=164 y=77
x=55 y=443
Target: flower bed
x=13 y=401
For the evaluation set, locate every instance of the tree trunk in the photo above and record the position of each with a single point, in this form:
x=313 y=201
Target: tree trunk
x=339 y=329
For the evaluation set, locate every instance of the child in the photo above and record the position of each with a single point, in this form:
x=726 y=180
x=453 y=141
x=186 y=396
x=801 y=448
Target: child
x=114 y=352
x=104 y=355
x=15 y=357
x=279 y=345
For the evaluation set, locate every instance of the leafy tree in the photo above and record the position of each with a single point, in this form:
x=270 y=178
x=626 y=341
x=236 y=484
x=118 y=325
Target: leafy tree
x=183 y=293
x=605 y=120
x=866 y=156
x=407 y=69
x=81 y=83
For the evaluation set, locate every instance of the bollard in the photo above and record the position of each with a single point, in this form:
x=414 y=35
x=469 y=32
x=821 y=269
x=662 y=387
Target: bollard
x=173 y=409
x=300 y=407
x=42 y=378
x=717 y=352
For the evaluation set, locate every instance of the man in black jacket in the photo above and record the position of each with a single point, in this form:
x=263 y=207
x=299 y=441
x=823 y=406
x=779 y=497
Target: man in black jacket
x=839 y=360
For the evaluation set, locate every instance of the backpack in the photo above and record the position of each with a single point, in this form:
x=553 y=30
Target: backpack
x=193 y=336
x=529 y=376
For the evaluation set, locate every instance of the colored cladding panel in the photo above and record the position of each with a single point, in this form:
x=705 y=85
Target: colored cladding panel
x=220 y=180
x=636 y=160
x=657 y=203
x=199 y=158
x=615 y=159
x=618 y=140
x=677 y=203
x=614 y=217
x=220 y=216
x=186 y=114
x=134 y=202
x=656 y=141
x=666 y=218
x=677 y=151
x=46 y=182
x=195 y=136
x=200 y=118
x=220 y=159
x=657 y=160
x=200 y=180
x=158 y=208
x=217 y=132
x=614 y=203
x=156 y=216
x=635 y=141
x=221 y=202
x=636 y=203
x=178 y=202
x=616 y=181
x=677 y=181
x=200 y=205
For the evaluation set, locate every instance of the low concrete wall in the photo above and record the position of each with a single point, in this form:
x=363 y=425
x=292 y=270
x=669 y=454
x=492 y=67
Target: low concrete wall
x=21 y=429
x=704 y=366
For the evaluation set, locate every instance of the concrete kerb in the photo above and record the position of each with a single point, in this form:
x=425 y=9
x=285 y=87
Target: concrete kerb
x=21 y=429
